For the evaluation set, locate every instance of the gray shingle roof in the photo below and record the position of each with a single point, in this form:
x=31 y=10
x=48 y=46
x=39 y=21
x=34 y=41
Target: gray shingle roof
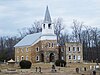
x=29 y=39
x=32 y=38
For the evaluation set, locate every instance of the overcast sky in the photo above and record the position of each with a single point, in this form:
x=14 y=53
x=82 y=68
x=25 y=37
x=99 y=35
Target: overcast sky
x=17 y=14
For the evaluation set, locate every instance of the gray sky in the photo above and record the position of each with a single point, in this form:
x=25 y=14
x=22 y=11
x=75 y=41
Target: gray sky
x=17 y=14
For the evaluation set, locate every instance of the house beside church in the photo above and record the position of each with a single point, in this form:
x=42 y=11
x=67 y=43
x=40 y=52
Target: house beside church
x=42 y=46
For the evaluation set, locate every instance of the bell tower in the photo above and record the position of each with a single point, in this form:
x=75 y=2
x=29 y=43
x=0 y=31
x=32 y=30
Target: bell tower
x=47 y=26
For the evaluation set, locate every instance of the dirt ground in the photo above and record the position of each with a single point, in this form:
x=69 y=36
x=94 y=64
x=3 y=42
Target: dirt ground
x=70 y=69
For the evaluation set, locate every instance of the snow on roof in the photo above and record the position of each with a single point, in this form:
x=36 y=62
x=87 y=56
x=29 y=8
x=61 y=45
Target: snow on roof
x=28 y=40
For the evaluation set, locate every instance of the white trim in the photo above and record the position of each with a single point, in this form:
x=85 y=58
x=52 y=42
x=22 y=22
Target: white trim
x=37 y=49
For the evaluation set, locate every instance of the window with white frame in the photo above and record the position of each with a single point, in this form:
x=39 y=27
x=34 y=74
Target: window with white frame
x=79 y=57
x=37 y=58
x=69 y=49
x=69 y=56
x=37 y=49
x=26 y=49
x=27 y=57
x=74 y=49
x=74 y=57
x=22 y=57
x=78 y=49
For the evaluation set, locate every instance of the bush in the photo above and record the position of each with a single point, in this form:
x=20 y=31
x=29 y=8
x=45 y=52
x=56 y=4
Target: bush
x=61 y=63
x=24 y=64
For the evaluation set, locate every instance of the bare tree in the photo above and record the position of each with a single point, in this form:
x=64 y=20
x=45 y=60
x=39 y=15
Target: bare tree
x=58 y=26
x=77 y=30
x=36 y=27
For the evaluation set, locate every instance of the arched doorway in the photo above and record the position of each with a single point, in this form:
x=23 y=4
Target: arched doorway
x=42 y=57
x=52 y=58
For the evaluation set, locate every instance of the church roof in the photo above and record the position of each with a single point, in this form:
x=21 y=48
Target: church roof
x=29 y=40
x=47 y=18
x=32 y=38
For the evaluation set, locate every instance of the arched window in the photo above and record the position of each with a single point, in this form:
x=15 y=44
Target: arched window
x=37 y=49
x=37 y=58
x=44 y=26
x=78 y=49
x=49 y=26
x=69 y=49
x=69 y=56
x=74 y=57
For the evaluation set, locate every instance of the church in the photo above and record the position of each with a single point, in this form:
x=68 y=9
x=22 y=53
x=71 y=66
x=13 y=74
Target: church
x=39 y=47
x=42 y=46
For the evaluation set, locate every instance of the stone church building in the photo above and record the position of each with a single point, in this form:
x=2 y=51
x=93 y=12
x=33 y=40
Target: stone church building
x=42 y=46
x=39 y=47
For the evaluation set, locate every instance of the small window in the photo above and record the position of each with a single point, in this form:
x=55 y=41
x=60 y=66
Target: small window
x=49 y=26
x=37 y=49
x=78 y=49
x=44 y=26
x=69 y=49
x=74 y=49
x=69 y=56
x=26 y=49
x=37 y=58
x=74 y=57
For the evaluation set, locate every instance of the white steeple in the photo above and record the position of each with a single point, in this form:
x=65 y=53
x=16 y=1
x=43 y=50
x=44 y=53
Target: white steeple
x=47 y=26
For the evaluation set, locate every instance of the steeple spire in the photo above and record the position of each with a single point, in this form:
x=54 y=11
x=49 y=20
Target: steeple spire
x=47 y=18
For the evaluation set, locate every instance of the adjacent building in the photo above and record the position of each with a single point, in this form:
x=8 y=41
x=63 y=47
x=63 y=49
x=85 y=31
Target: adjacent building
x=73 y=52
